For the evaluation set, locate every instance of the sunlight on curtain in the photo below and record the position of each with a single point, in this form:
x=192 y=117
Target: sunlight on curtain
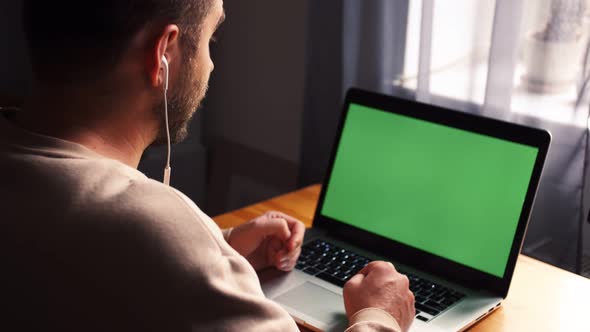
x=461 y=32
x=548 y=74
x=523 y=61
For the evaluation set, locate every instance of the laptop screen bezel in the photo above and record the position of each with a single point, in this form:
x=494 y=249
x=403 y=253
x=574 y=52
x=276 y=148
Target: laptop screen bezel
x=406 y=254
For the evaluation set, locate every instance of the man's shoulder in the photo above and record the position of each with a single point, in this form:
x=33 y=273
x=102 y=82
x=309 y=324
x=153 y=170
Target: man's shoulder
x=132 y=199
x=133 y=194
x=145 y=213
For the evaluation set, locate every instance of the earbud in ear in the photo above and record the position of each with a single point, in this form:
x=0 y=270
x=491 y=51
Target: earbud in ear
x=166 y=71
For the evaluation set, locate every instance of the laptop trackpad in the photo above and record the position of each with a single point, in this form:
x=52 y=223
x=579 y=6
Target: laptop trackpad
x=316 y=302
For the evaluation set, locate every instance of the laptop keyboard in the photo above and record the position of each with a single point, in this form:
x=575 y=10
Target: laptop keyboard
x=337 y=265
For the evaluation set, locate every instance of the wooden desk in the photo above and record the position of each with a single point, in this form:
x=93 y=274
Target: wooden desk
x=541 y=298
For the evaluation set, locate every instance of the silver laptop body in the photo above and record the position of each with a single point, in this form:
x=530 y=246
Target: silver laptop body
x=472 y=263
x=318 y=304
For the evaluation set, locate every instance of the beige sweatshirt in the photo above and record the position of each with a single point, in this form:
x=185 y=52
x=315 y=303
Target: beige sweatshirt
x=90 y=244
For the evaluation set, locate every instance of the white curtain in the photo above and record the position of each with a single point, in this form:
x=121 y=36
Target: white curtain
x=493 y=58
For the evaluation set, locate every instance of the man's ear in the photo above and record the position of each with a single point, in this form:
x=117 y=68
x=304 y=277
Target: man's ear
x=165 y=44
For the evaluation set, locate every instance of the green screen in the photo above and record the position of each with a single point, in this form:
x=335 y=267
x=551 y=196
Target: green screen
x=452 y=193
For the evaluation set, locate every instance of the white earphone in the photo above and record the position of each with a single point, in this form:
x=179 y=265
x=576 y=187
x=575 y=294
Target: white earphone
x=167 y=169
x=166 y=71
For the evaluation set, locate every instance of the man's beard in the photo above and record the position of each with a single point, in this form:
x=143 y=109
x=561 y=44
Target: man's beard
x=182 y=104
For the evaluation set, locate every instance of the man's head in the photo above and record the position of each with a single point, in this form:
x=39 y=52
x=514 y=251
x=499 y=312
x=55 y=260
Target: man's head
x=120 y=43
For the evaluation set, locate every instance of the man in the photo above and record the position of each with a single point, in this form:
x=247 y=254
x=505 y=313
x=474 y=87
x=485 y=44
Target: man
x=91 y=244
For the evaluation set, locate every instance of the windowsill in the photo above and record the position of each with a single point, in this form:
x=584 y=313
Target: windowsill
x=557 y=107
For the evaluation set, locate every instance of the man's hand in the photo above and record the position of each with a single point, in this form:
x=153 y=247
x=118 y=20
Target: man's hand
x=273 y=239
x=379 y=285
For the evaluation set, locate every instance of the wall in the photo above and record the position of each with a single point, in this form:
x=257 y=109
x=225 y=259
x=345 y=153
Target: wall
x=256 y=94
x=15 y=77
x=252 y=115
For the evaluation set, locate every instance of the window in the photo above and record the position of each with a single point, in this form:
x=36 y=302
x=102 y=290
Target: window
x=548 y=69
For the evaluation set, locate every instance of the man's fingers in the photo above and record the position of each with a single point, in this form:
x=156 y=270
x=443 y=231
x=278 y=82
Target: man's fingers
x=297 y=233
x=376 y=265
x=365 y=270
x=296 y=227
x=286 y=262
x=285 y=258
x=274 y=227
x=281 y=215
x=355 y=281
x=275 y=246
x=284 y=254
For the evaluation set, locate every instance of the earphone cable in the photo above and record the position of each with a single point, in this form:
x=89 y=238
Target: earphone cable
x=168 y=169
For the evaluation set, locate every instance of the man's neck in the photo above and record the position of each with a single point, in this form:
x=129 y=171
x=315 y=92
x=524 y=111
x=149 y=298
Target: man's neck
x=103 y=125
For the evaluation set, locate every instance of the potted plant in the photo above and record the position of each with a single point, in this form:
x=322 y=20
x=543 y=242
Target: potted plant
x=553 y=56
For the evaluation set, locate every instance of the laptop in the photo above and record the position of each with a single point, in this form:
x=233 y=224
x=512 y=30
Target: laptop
x=444 y=195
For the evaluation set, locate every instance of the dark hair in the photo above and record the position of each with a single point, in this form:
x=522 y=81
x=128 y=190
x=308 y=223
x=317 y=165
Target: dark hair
x=77 y=40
